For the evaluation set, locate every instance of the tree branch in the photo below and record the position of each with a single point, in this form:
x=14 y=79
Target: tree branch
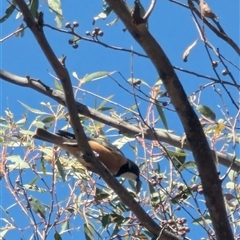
x=123 y=127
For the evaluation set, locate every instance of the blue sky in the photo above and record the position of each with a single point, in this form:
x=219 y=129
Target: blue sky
x=169 y=23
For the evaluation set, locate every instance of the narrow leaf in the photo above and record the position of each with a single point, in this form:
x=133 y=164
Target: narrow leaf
x=32 y=109
x=57 y=236
x=60 y=169
x=55 y=6
x=17 y=162
x=8 y=12
x=37 y=207
x=105 y=101
x=161 y=114
x=188 y=50
x=206 y=111
x=103 y=15
x=34 y=7
x=33 y=187
x=88 y=232
x=151 y=188
x=95 y=76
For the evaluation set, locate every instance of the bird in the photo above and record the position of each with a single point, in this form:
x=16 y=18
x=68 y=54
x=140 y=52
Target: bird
x=108 y=154
x=206 y=10
x=208 y=13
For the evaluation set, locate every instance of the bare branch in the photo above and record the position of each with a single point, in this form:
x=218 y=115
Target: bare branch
x=123 y=127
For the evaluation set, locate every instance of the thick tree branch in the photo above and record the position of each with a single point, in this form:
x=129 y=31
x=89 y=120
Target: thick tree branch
x=62 y=73
x=208 y=173
x=122 y=126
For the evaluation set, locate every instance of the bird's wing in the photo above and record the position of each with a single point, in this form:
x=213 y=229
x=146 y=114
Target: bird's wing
x=98 y=145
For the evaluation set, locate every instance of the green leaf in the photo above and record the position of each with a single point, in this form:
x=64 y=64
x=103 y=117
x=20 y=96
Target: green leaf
x=17 y=162
x=104 y=102
x=95 y=76
x=232 y=175
x=8 y=12
x=57 y=236
x=159 y=82
x=3 y=233
x=55 y=6
x=161 y=113
x=65 y=227
x=49 y=119
x=188 y=165
x=100 y=194
x=138 y=186
x=33 y=110
x=178 y=157
x=75 y=75
x=119 y=143
x=206 y=111
x=21 y=33
x=155 y=199
x=58 y=85
x=104 y=109
x=230 y=185
x=112 y=22
x=122 y=207
x=42 y=161
x=38 y=124
x=203 y=220
x=34 y=7
x=37 y=207
x=151 y=188
x=158 y=168
x=60 y=169
x=116 y=230
x=35 y=188
x=104 y=14
x=106 y=220
x=88 y=231
x=59 y=20
x=34 y=180
x=113 y=218
x=188 y=50
x=23 y=120
x=2 y=119
x=129 y=135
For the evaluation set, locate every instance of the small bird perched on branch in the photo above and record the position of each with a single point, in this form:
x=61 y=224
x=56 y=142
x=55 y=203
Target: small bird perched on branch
x=206 y=10
x=208 y=13
x=109 y=155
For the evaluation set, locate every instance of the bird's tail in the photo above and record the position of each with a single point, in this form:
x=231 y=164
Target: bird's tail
x=70 y=145
x=44 y=135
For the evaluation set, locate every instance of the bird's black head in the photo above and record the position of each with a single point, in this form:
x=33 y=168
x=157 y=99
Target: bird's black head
x=129 y=170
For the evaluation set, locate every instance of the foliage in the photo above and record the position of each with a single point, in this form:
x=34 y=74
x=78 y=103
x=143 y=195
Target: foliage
x=51 y=195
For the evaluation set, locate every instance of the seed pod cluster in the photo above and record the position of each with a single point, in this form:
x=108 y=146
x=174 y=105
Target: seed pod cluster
x=179 y=225
x=75 y=24
x=72 y=26
x=97 y=32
